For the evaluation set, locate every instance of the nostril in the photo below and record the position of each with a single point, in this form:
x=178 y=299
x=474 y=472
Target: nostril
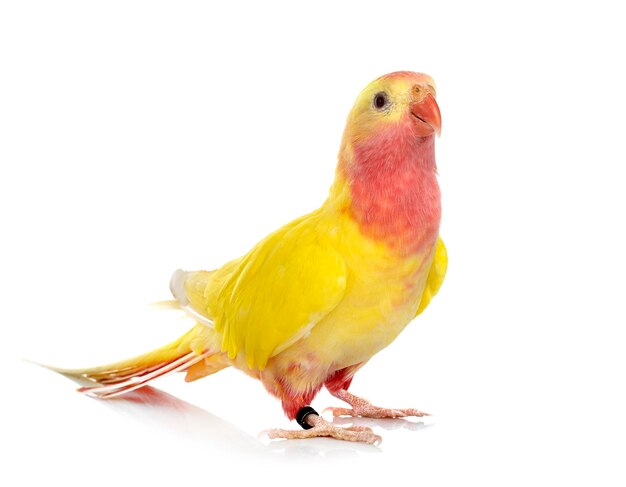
x=423 y=90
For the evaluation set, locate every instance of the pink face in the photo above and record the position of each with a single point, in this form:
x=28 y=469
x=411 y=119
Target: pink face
x=400 y=97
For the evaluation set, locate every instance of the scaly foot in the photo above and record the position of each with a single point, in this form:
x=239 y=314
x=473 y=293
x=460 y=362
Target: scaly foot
x=322 y=428
x=365 y=409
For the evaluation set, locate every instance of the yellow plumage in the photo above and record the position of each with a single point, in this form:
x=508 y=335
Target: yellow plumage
x=316 y=299
x=318 y=277
x=436 y=274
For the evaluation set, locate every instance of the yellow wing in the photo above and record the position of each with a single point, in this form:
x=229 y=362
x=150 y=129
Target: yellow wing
x=273 y=296
x=436 y=274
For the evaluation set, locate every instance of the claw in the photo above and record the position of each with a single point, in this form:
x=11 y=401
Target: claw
x=376 y=412
x=365 y=409
x=336 y=412
x=323 y=428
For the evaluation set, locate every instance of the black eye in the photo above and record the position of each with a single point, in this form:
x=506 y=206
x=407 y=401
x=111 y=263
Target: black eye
x=380 y=100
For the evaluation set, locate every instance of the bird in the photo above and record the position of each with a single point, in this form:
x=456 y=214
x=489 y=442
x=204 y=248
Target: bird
x=312 y=302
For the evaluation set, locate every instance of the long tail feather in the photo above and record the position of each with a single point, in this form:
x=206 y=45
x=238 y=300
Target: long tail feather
x=196 y=347
x=136 y=381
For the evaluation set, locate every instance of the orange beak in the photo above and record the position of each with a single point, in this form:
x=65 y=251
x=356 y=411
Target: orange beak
x=427 y=115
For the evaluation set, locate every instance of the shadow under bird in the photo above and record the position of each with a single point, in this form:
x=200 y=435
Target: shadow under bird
x=312 y=302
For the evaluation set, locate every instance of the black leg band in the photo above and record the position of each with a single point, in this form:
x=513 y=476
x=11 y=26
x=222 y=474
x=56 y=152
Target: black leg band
x=303 y=414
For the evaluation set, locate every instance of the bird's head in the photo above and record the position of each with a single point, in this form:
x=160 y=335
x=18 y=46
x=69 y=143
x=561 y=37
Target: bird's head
x=396 y=112
x=386 y=176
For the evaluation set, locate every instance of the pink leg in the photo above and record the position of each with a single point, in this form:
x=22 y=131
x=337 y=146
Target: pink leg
x=365 y=409
x=322 y=428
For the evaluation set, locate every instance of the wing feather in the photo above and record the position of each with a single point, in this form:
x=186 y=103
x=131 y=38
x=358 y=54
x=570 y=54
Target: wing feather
x=436 y=275
x=277 y=293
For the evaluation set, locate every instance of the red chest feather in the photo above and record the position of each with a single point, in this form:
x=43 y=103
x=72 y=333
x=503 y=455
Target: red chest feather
x=393 y=184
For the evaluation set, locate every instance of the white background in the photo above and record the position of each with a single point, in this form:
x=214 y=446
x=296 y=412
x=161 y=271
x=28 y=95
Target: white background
x=140 y=137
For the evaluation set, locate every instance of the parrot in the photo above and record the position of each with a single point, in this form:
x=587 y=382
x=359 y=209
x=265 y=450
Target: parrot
x=312 y=302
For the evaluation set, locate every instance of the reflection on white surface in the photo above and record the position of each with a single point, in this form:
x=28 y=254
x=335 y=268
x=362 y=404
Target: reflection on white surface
x=482 y=429
x=153 y=407
x=387 y=424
